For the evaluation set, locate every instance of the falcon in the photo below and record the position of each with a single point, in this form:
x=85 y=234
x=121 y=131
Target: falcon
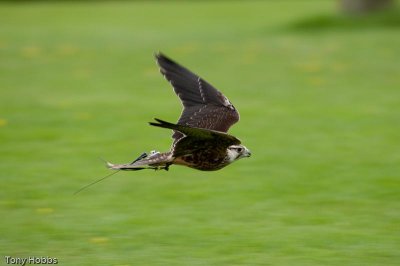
x=200 y=138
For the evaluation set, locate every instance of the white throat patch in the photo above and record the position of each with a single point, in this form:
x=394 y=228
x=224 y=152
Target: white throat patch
x=232 y=155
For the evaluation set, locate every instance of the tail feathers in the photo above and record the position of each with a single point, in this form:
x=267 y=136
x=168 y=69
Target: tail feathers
x=127 y=167
x=155 y=161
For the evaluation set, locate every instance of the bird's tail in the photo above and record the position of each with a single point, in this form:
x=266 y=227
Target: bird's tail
x=155 y=160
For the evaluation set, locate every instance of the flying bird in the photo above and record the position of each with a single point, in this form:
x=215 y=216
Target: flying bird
x=200 y=138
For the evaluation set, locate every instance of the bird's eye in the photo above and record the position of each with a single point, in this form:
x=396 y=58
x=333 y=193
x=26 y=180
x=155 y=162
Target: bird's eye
x=240 y=149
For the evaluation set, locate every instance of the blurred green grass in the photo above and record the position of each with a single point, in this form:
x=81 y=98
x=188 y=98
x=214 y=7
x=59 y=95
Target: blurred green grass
x=319 y=110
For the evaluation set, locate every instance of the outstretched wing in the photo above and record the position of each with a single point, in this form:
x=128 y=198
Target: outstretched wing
x=197 y=138
x=203 y=105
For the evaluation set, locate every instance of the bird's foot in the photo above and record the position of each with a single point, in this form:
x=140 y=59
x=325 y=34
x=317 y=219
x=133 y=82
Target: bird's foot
x=161 y=167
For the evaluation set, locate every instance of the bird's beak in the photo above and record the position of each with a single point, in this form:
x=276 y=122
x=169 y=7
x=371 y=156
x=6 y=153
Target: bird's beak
x=248 y=154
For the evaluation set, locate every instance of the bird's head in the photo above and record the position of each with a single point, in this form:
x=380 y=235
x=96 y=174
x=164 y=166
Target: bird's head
x=236 y=152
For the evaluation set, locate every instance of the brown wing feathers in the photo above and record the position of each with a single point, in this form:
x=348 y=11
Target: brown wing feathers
x=190 y=88
x=199 y=133
x=203 y=105
x=196 y=138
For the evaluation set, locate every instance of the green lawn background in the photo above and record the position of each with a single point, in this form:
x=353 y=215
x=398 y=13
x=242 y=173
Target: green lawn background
x=320 y=110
